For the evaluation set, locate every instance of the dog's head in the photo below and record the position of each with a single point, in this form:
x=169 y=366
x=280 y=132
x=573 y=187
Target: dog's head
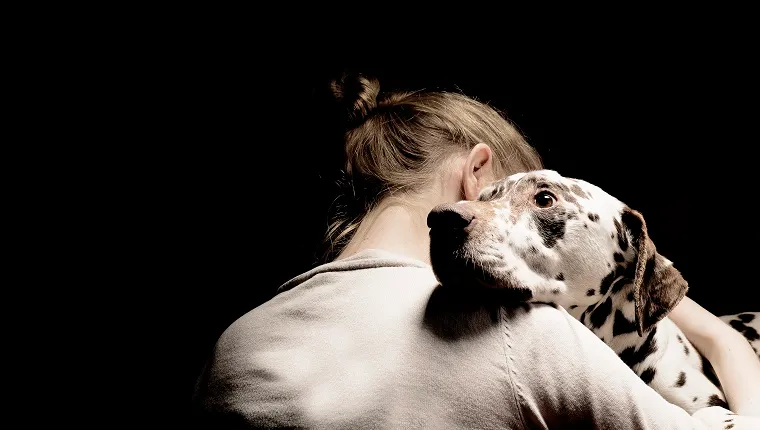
x=552 y=239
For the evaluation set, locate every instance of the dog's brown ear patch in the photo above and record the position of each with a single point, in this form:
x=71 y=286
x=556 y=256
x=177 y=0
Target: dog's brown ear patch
x=657 y=285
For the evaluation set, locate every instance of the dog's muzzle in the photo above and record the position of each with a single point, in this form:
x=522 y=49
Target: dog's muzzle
x=454 y=263
x=454 y=255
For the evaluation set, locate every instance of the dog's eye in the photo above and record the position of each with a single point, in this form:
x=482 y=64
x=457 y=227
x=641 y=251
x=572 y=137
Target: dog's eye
x=544 y=199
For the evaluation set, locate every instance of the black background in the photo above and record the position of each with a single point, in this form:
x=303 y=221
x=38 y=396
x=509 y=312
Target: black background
x=230 y=200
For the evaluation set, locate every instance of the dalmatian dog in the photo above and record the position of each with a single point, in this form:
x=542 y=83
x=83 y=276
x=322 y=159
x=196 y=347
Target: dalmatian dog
x=564 y=241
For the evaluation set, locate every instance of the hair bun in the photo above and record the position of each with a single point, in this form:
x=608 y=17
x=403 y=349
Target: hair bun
x=356 y=94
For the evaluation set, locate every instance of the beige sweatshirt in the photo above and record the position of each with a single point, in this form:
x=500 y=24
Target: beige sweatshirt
x=372 y=341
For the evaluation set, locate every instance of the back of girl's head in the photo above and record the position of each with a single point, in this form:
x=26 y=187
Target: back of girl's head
x=396 y=142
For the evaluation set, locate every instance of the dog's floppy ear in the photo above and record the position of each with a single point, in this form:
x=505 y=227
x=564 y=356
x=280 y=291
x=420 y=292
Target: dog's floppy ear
x=657 y=285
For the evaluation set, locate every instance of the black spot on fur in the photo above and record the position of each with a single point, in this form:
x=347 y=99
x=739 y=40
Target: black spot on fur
x=630 y=296
x=570 y=199
x=730 y=420
x=560 y=277
x=563 y=190
x=751 y=334
x=685 y=346
x=709 y=372
x=647 y=375
x=590 y=292
x=600 y=314
x=632 y=356
x=738 y=325
x=593 y=217
x=533 y=249
x=572 y=216
x=573 y=306
x=586 y=312
x=555 y=291
x=746 y=318
x=729 y=426
x=622 y=241
x=551 y=226
x=714 y=400
x=585 y=225
x=657 y=315
x=606 y=282
x=681 y=380
x=578 y=191
x=748 y=332
x=618 y=285
x=618 y=257
x=622 y=324
x=694 y=399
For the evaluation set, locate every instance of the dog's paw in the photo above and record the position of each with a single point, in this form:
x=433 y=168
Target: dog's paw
x=716 y=417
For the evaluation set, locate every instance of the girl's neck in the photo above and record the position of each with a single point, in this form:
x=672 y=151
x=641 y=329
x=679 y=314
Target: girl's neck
x=394 y=226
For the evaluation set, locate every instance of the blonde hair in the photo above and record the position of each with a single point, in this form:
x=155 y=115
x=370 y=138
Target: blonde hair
x=395 y=142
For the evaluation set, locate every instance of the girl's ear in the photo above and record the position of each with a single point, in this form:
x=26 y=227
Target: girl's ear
x=478 y=171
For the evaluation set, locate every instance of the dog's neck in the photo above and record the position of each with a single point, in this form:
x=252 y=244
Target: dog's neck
x=612 y=318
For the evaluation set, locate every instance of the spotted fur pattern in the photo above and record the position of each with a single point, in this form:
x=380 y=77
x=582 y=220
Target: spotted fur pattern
x=565 y=241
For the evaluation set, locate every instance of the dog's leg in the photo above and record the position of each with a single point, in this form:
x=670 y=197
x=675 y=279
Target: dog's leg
x=681 y=376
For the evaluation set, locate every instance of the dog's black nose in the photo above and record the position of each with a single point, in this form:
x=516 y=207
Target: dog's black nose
x=452 y=216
